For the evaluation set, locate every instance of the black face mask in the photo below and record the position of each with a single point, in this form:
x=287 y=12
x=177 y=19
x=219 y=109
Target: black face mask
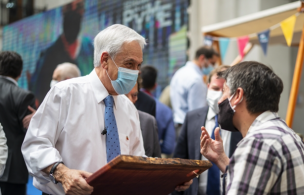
x=225 y=116
x=71 y=25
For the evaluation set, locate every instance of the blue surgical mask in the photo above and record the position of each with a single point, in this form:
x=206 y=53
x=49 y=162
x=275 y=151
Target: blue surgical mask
x=206 y=71
x=126 y=80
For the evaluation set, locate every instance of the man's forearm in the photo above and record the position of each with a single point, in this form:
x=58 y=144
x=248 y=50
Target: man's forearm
x=223 y=162
x=59 y=172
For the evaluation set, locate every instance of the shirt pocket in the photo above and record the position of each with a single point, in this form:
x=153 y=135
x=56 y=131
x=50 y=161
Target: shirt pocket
x=124 y=142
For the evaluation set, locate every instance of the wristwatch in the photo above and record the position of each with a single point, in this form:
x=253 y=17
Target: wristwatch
x=52 y=172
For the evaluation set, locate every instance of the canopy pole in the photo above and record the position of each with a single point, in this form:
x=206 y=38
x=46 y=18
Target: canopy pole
x=246 y=50
x=295 y=82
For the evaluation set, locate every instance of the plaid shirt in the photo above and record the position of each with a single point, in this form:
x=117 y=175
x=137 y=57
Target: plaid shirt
x=269 y=160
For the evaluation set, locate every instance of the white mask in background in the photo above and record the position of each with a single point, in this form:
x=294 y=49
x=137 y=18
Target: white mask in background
x=212 y=99
x=53 y=83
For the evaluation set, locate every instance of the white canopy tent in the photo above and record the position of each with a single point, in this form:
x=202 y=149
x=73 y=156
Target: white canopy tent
x=257 y=22
x=260 y=21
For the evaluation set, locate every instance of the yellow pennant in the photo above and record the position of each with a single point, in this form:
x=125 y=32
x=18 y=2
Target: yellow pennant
x=287 y=28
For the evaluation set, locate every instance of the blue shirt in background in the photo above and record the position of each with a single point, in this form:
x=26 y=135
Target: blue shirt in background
x=165 y=125
x=187 y=91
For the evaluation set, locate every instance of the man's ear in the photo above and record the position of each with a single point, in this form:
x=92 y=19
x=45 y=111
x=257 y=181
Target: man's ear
x=104 y=60
x=201 y=58
x=239 y=96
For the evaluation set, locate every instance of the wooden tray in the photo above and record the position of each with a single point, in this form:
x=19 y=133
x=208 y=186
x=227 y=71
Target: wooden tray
x=132 y=175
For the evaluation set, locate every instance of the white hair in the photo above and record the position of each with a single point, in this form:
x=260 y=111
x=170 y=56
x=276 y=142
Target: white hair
x=112 y=38
x=68 y=70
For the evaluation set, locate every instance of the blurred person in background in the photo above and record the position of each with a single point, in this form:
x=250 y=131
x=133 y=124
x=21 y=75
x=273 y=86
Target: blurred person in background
x=146 y=103
x=165 y=97
x=148 y=127
x=14 y=103
x=187 y=88
x=164 y=116
x=165 y=94
x=270 y=157
x=69 y=47
x=212 y=63
x=63 y=72
x=188 y=145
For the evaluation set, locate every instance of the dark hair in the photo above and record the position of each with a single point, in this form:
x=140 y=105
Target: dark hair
x=217 y=70
x=262 y=87
x=10 y=64
x=148 y=75
x=206 y=51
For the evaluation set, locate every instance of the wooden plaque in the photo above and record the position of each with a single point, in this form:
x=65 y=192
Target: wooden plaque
x=132 y=175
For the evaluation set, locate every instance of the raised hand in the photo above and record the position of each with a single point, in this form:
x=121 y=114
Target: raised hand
x=213 y=150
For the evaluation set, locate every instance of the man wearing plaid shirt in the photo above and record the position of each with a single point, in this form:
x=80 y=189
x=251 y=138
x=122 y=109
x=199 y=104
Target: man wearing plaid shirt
x=270 y=157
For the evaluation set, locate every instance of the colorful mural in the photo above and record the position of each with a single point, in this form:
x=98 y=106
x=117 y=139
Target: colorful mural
x=66 y=34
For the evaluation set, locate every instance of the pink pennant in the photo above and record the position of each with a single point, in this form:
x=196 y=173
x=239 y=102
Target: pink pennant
x=242 y=42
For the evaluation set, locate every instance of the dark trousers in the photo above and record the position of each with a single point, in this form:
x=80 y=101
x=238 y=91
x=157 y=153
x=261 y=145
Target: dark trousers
x=44 y=193
x=12 y=188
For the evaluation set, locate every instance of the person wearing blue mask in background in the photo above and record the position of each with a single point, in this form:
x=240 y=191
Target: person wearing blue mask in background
x=85 y=122
x=187 y=88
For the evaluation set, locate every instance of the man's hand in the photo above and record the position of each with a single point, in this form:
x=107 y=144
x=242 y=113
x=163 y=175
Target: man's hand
x=213 y=150
x=73 y=181
x=27 y=119
x=184 y=186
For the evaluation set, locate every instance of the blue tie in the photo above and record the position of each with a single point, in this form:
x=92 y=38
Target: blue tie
x=113 y=146
x=213 y=184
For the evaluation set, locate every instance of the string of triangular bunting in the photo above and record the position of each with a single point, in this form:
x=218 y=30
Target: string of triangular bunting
x=287 y=26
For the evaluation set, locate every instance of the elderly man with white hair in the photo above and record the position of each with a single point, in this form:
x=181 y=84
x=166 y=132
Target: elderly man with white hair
x=63 y=72
x=84 y=123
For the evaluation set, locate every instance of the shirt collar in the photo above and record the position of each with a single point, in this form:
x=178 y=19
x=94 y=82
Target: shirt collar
x=211 y=114
x=99 y=89
x=262 y=118
x=10 y=79
x=195 y=67
x=146 y=91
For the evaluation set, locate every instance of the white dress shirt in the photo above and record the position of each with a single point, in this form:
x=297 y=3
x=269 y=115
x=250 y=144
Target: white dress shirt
x=3 y=151
x=226 y=137
x=187 y=91
x=67 y=127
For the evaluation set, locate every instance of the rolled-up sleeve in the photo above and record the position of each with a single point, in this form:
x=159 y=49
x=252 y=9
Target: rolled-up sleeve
x=38 y=148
